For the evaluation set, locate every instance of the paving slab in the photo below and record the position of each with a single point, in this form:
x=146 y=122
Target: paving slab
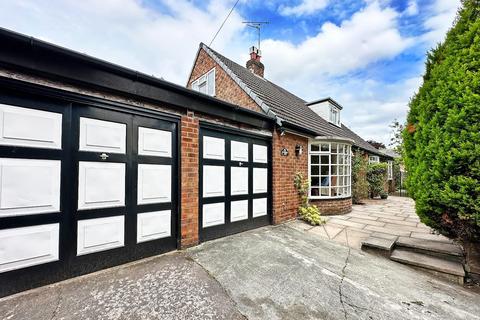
x=390 y=231
x=167 y=287
x=379 y=243
x=368 y=222
x=428 y=262
x=347 y=223
x=430 y=236
x=384 y=236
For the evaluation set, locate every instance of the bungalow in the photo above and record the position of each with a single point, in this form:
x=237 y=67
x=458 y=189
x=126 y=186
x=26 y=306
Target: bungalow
x=314 y=126
x=101 y=165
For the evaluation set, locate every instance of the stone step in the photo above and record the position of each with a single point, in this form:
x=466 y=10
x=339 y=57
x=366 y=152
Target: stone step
x=434 y=248
x=378 y=245
x=439 y=265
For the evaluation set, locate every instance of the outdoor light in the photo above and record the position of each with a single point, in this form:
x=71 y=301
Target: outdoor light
x=298 y=150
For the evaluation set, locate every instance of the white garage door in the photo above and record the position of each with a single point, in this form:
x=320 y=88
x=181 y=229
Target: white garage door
x=234 y=188
x=82 y=189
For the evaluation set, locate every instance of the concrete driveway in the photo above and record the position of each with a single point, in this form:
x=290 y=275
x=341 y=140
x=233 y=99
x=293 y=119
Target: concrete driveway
x=283 y=273
x=171 y=286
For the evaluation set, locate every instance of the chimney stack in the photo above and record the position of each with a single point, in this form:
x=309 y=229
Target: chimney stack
x=254 y=64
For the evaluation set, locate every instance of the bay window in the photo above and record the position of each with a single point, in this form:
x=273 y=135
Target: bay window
x=329 y=170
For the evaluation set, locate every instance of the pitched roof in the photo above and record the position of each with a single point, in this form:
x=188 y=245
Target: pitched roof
x=287 y=107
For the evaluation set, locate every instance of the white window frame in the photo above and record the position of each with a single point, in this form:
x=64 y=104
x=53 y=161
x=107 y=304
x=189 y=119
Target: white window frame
x=208 y=79
x=390 y=170
x=344 y=179
x=334 y=115
x=373 y=159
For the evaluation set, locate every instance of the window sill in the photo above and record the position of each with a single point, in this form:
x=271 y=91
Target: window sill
x=328 y=198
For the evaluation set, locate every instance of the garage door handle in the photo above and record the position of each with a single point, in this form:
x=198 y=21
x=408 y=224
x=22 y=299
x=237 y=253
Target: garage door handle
x=104 y=156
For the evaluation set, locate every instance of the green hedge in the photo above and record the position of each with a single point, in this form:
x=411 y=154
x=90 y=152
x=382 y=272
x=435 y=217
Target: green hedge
x=359 y=179
x=442 y=136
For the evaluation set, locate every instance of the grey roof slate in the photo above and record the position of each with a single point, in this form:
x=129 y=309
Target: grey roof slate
x=284 y=104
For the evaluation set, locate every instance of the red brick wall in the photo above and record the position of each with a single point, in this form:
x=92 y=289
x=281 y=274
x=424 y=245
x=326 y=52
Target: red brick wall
x=333 y=206
x=225 y=88
x=189 y=180
x=285 y=196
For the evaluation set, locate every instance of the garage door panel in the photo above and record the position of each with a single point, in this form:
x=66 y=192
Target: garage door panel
x=29 y=186
x=213 y=181
x=102 y=234
x=25 y=127
x=101 y=185
x=239 y=151
x=213 y=148
x=153 y=225
x=259 y=207
x=102 y=136
x=213 y=214
x=260 y=180
x=260 y=153
x=154 y=142
x=28 y=246
x=238 y=210
x=154 y=183
x=239 y=181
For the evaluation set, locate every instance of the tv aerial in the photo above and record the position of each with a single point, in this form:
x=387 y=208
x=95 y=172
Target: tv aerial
x=258 y=26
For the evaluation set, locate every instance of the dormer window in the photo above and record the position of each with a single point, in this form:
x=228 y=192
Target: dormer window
x=335 y=116
x=373 y=159
x=206 y=83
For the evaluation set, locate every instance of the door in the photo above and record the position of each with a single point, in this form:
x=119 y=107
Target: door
x=82 y=188
x=235 y=182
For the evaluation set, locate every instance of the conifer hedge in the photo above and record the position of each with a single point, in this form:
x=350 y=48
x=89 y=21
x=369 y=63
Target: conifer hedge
x=442 y=136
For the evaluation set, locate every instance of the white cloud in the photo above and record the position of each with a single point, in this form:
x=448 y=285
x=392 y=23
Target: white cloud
x=368 y=36
x=440 y=20
x=305 y=7
x=127 y=32
x=412 y=8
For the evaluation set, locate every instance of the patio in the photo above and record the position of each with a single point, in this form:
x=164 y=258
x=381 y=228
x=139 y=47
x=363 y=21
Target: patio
x=386 y=219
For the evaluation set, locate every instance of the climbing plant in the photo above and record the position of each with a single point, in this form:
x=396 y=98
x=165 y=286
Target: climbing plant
x=309 y=213
x=376 y=177
x=359 y=177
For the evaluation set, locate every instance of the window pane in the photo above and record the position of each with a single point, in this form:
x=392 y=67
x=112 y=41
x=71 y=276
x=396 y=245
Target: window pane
x=324 y=170
x=324 y=160
x=325 y=147
x=314 y=147
x=314 y=192
x=315 y=182
x=324 y=181
x=340 y=169
x=334 y=170
x=324 y=192
x=315 y=159
x=334 y=192
x=315 y=170
x=334 y=148
x=211 y=83
x=202 y=87
x=334 y=181
x=334 y=159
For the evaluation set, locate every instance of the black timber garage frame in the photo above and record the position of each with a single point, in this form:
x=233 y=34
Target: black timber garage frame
x=229 y=228
x=69 y=265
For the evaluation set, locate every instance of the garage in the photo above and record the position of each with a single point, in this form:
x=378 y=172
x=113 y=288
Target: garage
x=235 y=182
x=82 y=188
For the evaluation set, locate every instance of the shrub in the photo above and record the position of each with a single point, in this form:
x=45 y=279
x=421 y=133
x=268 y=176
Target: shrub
x=376 y=177
x=359 y=177
x=441 y=139
x=309 y=213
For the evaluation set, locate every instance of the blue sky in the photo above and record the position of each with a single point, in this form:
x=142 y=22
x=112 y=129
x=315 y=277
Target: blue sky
x=366 y=54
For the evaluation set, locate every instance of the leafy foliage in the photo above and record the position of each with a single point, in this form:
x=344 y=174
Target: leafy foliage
x=359 y=177
x=309 y=213
x=376 y=144
x=376 y=178
x=396 y=140
x=442 y=137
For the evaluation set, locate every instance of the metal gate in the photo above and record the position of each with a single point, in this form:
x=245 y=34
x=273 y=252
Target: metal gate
x=235 y=182
x=82 y=188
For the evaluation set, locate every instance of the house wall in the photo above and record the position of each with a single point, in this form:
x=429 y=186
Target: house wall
x=225 y=88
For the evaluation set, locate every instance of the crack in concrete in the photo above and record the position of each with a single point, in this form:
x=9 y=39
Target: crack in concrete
x=57 y=307
x=340 y=292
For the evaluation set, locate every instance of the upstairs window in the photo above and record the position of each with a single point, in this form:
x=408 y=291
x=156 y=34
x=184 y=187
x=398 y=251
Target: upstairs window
x=335 y=116
x=373 y=159
x=206 y=83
